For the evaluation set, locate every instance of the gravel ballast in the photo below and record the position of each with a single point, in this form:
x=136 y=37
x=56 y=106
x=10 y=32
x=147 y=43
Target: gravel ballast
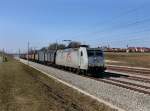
x=121 y=97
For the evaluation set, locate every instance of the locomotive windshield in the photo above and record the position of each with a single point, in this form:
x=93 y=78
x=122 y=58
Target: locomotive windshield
x=94 y=53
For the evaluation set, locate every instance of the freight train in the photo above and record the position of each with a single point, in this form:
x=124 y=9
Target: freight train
x=81 y=59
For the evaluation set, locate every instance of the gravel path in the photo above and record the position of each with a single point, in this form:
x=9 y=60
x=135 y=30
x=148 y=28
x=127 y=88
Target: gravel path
x=123 y=98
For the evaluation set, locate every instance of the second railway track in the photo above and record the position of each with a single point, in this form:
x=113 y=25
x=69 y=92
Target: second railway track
x=138 y=71
x=126 y=85
x=107 y=78
x=123 y=84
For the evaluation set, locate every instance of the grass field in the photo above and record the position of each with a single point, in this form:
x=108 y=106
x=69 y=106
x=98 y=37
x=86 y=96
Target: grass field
x=129 y=59
x=25 y=89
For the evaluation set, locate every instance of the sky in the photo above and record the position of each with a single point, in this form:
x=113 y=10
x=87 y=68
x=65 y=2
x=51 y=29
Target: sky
x=116 y=23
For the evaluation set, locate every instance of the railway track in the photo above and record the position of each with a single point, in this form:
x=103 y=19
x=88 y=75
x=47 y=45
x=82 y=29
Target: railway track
x=129 y=83
x=138 y=71
x=126 y=85
x=145 y=80
x=123 y=84
x=129 y=77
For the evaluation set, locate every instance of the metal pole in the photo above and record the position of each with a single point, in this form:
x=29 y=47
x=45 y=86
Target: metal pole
x=19 y=53
x=28 y=53
x=56 y=45
x=3 y=55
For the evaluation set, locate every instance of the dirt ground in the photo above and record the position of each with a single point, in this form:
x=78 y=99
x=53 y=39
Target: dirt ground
x=25 y=89
x=129 y=59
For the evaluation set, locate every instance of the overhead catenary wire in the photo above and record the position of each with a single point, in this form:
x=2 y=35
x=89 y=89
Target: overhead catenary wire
x=132 y=24
x=113 y=20
x=129 y=11
x=124 y=26
x=124 y=34
x=130 y=33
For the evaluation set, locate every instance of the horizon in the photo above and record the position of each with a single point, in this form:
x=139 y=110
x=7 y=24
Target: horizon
x=97 y=23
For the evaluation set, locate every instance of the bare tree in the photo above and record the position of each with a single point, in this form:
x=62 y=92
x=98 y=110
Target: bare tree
x=55 y=46
x=74 y=44
x=61 y=46
x=44 y=49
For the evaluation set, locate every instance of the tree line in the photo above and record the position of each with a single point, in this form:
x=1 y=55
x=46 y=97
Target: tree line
x=56 y=46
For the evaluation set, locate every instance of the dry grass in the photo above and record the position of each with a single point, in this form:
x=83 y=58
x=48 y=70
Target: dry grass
x=130 y=59
x=25 y=89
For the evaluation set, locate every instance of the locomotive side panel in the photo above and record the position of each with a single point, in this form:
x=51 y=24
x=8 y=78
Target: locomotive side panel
x=60 y=58
x=68 y=58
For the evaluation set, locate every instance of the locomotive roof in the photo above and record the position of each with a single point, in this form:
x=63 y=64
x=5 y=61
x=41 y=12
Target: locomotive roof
x=94 y=49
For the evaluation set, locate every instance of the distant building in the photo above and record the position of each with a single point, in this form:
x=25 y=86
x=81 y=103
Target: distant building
x=128 y=49
x=138 y=49
x=114 y=49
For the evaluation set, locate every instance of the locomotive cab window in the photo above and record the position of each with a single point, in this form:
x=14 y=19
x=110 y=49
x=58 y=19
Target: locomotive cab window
x=90 y=53
x=98 y=53
x=95 y=53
